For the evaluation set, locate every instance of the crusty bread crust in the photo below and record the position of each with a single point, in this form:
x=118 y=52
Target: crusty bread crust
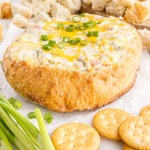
x=69 y=90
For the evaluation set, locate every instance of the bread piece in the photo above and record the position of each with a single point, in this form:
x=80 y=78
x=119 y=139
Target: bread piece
x=59 y=11
x=42 y=16
x=6 y=10
x=20 y=21
x=22 y=10
x=41 y=6
x=115 y=9
x=1 y=15
x=87 y=2
x=99 y=5
x=29 y=5
x=1 y=32
x=24 y=1
x=126 y=3
x=63 y=79
x=145 y=35
x=73 y=5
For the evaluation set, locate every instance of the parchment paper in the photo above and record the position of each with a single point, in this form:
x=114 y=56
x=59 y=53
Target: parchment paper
x=132 y=101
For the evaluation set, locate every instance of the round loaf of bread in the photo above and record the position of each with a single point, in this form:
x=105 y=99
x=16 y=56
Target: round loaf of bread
x=75 y=63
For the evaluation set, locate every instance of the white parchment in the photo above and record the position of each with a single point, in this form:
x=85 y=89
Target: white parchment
x=132 y=101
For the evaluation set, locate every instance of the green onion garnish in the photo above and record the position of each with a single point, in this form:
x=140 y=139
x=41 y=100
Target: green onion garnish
x=12 y=100
x=82 y=15
x=78 y=40
x=73 y=42
x=95 y=33
x=52 y=43
x=77 y=26
x=48 y=117
x=76 y=18
x=90 y=24
x=60 y=25
x=70 y=29
x=66 y=39
x=84 y=42
x=31 y=115
x=90 y=34
x=17 y=105
x=44 y=38
x=46 y=47
x=71 y=25
x=61 y=44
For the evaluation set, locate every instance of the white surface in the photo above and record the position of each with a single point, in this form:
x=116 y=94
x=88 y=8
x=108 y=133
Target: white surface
x=133 y=101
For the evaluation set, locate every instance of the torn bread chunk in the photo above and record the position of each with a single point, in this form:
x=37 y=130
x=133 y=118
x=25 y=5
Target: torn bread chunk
x=115 y=9
x=1 y=15
x=59 y=11
x=42 y=16
x=99 y=5
x=87 y=2
x=1 y=32
x=22 y=10
x=29 y=5
x=6 y=10
x=20 y=21
x=73 y=5
x=145 y=35
x=126 y=3
x=41 y=6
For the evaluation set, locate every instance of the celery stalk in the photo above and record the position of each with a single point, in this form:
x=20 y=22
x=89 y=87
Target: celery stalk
x=7 y=106
x=5 y=140
x=46 y=143
x=16 y=130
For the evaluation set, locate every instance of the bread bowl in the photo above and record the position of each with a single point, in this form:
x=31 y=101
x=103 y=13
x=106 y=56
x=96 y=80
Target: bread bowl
x=74 y=76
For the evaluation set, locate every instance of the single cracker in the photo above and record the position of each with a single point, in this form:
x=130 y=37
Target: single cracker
x=107 y=122
x=75 y=136
x=126 y=147
x=135 y=132
x=145 y=111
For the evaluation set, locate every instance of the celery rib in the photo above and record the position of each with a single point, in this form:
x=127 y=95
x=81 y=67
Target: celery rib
x=5 y=140
x=45 y=139
x=16 y=130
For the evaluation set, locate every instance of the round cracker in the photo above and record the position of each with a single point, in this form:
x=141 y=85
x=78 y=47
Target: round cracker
x=145 y=111
x=135 y=132
x=126 y=147
x=75 y=136
x=107 y=122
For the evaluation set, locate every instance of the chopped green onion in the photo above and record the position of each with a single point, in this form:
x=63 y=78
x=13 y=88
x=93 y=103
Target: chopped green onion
x=61 y=44
x=90 y=24
x=78 y=40
x=71 y=25
x=82 y=28
x=84 y=42
x=73 y=42
x=46 y=47
x=82 y=15
x=66 y=39
x=95 y=33
x=52 y=43
x=17 y=105
x=31 y=115
x=78 y=26
x=70 y=29
x=60 y=25
x=44 y=38
x=12 y=100
x=98 y=22
x=90 y=34
x=76 y=18
x=48 y=117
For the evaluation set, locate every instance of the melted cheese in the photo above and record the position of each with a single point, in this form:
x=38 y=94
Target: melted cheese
x=106 y=49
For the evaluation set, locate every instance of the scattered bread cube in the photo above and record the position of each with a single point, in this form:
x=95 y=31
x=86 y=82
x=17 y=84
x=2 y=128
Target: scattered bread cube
x=6 y=10
x=22 y=10
x=115 y=9
x=1 y=32
x=99 y=5
x=1 y=14
x=29 y=5
x=73 y=5
x=41 y=6
x=42 y=16
x=59 y=11
x=20 y=21
x=145 y=35
x=87 y=2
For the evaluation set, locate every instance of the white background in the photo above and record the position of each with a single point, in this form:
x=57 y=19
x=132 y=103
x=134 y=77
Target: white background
x=133 y=101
